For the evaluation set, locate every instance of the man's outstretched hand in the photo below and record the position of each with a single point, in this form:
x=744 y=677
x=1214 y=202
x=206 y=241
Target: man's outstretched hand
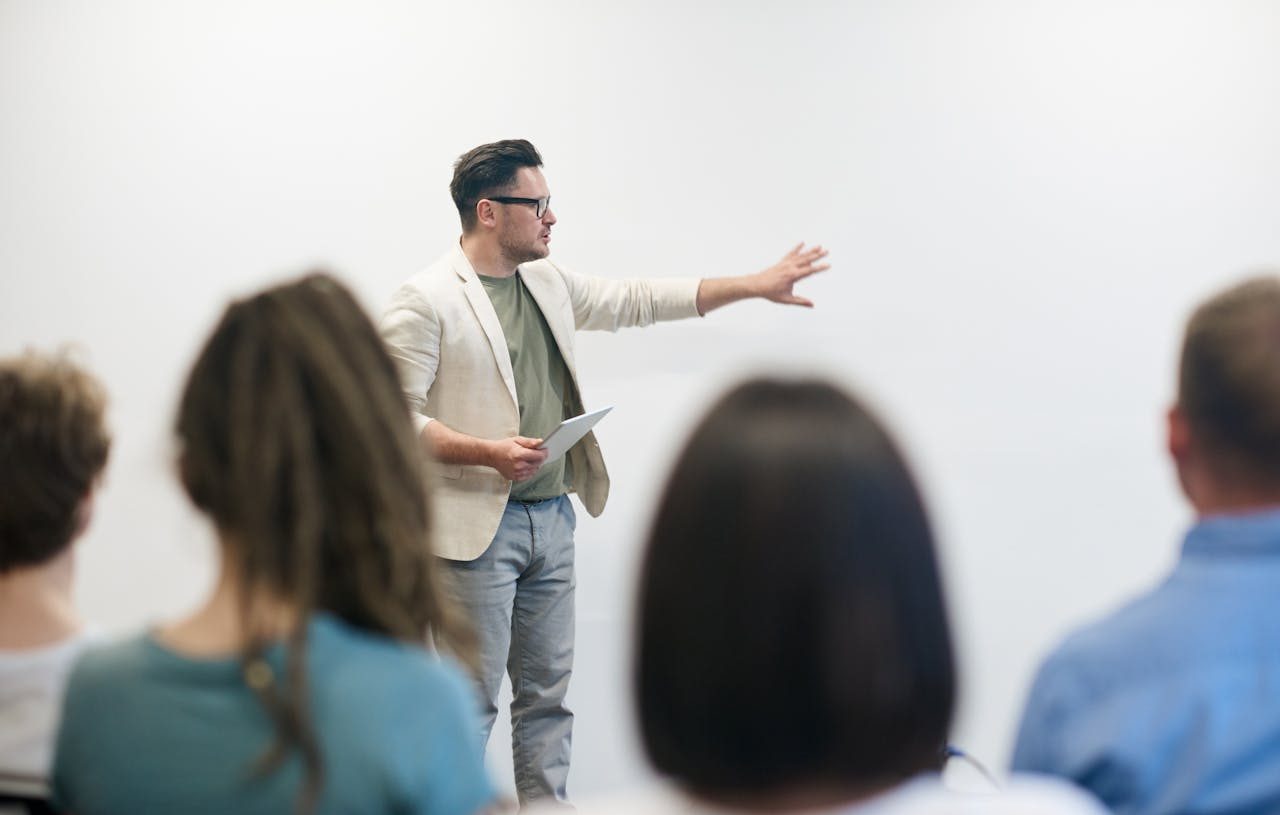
x=777 y=283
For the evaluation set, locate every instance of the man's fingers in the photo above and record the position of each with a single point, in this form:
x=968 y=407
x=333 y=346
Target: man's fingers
x=807 y=263
x=523 y=472
x=803 y=272
x=524 y=441
x=797 y=301
x=801 y=255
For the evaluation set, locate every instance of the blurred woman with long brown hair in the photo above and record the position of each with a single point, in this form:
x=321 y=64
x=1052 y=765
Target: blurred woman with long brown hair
x=302 y=683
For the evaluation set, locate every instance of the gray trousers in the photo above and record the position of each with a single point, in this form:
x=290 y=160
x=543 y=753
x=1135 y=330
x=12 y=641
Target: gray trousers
x=518 y=596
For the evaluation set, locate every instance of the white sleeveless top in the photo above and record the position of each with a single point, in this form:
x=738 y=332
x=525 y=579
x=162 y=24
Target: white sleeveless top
x=31 y=684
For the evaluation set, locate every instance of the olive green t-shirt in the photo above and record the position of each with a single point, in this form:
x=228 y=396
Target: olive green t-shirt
x=541 y=378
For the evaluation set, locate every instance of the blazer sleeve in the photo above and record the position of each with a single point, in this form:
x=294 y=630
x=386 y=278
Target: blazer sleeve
x=604 y=304
x=410 y=330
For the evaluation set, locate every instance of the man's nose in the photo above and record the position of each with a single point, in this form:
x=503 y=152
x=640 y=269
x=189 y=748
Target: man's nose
x=548 y=217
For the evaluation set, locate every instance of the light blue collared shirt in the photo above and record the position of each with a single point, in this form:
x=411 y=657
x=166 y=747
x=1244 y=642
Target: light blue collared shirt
x=1172 y=704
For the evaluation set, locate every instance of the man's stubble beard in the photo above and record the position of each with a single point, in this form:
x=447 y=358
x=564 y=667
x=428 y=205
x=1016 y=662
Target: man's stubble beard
x=521 y=252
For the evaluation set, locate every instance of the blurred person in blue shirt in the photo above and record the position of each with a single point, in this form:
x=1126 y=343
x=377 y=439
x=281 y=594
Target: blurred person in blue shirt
x=1172 y=703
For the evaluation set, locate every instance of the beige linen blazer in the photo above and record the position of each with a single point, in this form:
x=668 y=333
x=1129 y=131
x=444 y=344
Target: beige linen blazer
x=448 y=346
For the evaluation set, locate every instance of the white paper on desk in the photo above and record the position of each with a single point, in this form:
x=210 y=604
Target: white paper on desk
x=567 y=433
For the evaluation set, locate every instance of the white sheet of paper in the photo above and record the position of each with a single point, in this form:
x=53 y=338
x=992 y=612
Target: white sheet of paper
x=558 y=441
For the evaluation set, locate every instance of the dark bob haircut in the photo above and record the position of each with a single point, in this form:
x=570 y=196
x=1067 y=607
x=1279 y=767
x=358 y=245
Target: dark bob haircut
x=487 y=170
x=792 y=629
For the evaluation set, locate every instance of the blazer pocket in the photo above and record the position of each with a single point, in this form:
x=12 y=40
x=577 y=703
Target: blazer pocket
x=449 y=471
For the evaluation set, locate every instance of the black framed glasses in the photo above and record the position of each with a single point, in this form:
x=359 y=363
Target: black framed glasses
x=540 y=205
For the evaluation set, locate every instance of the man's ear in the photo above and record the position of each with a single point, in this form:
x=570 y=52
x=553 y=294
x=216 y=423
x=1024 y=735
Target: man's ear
x=1179 y=437
x=485 y=212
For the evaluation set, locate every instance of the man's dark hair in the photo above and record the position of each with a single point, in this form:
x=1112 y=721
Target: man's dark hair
x=1229 y=381
x=792 y=629
x=53 y=444
x=488 y=170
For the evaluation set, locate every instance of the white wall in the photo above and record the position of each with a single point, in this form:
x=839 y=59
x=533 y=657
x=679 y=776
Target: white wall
x=1022 y=199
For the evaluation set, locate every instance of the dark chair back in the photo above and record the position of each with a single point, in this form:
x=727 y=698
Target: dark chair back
x=24 y=795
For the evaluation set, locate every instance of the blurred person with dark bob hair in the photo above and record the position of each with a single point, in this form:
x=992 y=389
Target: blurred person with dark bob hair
x=303 y=683
x=793 y=649
x=54 y=445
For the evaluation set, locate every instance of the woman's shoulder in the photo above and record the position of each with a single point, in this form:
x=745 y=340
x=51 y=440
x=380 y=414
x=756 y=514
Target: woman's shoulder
x=107 y=677
x=1022 y=795
x=99 y=659
x=346 y=653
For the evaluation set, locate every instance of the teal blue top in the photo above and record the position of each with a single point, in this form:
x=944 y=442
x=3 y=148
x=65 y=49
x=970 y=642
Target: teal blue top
x=145 y=729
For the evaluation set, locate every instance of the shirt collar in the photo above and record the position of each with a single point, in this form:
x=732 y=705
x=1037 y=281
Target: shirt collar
x=1248 y=534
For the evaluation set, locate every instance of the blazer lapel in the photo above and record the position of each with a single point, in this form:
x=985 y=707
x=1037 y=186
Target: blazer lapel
x=488 y=318
x=550 y=300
